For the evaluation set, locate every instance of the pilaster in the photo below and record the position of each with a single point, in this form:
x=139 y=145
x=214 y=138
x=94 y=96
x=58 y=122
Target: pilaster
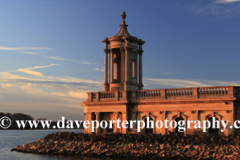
x=106 y=51
x=111 y=68
x=127 y=68
x=140 y=69
x=98 y=119
x=115 y=126
x=124 y=118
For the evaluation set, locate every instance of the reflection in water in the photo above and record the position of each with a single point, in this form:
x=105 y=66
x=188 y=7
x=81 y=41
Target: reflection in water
x=12 y=138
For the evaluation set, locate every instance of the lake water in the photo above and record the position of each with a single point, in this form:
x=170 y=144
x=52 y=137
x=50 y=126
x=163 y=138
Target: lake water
x=11 y=138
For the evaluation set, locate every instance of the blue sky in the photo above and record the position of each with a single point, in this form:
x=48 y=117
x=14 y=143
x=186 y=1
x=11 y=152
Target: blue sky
x=51 y=52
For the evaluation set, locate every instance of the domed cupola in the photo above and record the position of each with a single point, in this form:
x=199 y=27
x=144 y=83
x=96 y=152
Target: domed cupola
x=125 y=67
x=123 y=33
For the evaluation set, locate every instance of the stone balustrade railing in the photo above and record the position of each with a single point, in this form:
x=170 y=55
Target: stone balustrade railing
x=213 y=91
x=163 y=94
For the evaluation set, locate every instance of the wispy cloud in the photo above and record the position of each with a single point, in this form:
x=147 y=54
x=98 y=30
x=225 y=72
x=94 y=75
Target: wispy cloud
x=48 y=94
x=215 y=8
x=49 y=80
x=50 y=105
x=6 y=85
x=85 y=63
x=178 y=83
x=98 y=69
x=174 y=82
x=227 y=1
x=28 y=71
x=24 y=48
x=37 y=67
x=34 y=53
x=78 y=94
x=35 y=73
x=59 y=58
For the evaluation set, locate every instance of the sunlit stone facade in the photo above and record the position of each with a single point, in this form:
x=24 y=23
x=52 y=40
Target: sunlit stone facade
x=124 y=98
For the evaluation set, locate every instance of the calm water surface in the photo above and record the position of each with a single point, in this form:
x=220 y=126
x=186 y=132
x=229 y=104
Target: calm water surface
x=11 y=138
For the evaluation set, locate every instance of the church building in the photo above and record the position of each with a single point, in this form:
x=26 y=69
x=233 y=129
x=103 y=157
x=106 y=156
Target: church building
x=124 y=98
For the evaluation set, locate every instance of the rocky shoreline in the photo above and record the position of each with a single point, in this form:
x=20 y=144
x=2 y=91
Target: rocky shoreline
x=136 y=146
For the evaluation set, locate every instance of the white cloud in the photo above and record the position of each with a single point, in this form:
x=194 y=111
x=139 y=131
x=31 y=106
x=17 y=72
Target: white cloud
x=59 y=95
x=6 y=85
x=85 y=63
x=98 y=69
x=30 y=99
x=173 y=82
x=65 y=59
x=49 y=80
x=215 y=8
x=26 y=86
x=24 y=48
x=37 y=67
x=33 y=53
x=227 y=1
x=35 y=73
x=59 y=58
x=28 y=71
x=178 y=83
x=79 y=94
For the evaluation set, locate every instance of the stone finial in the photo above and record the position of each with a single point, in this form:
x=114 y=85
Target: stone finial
x=141 y=42
x=105 y=40
x=123 y=15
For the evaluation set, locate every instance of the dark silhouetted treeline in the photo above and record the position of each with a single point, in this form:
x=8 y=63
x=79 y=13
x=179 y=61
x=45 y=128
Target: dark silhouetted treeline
x=24 y=117
x=16 y=116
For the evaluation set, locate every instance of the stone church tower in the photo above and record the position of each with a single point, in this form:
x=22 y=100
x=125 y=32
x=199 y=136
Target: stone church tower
x=124 y=61
x=123 y=97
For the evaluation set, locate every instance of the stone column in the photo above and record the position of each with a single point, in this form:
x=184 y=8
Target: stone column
x=124 y=117
x=140 y=51
x=106 y=71
x=122 y=67
x=98 y=119
x=111 y=67
x=140 y=70
x=106 y=84
x=136 y=70
x=115 y=127
x=162 y=117
x=219 y=117
x=127 y=68
x=229 y=117
x=134 y=118
x=88 y=116
x=139 y=117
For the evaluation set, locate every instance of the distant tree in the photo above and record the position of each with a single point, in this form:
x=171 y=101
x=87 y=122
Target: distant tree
x=16 y=116
x=21 y=116
x=42 y=119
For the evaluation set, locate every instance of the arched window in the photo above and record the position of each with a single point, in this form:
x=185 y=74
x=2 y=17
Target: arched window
x=115 y=71
x=134 y=69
